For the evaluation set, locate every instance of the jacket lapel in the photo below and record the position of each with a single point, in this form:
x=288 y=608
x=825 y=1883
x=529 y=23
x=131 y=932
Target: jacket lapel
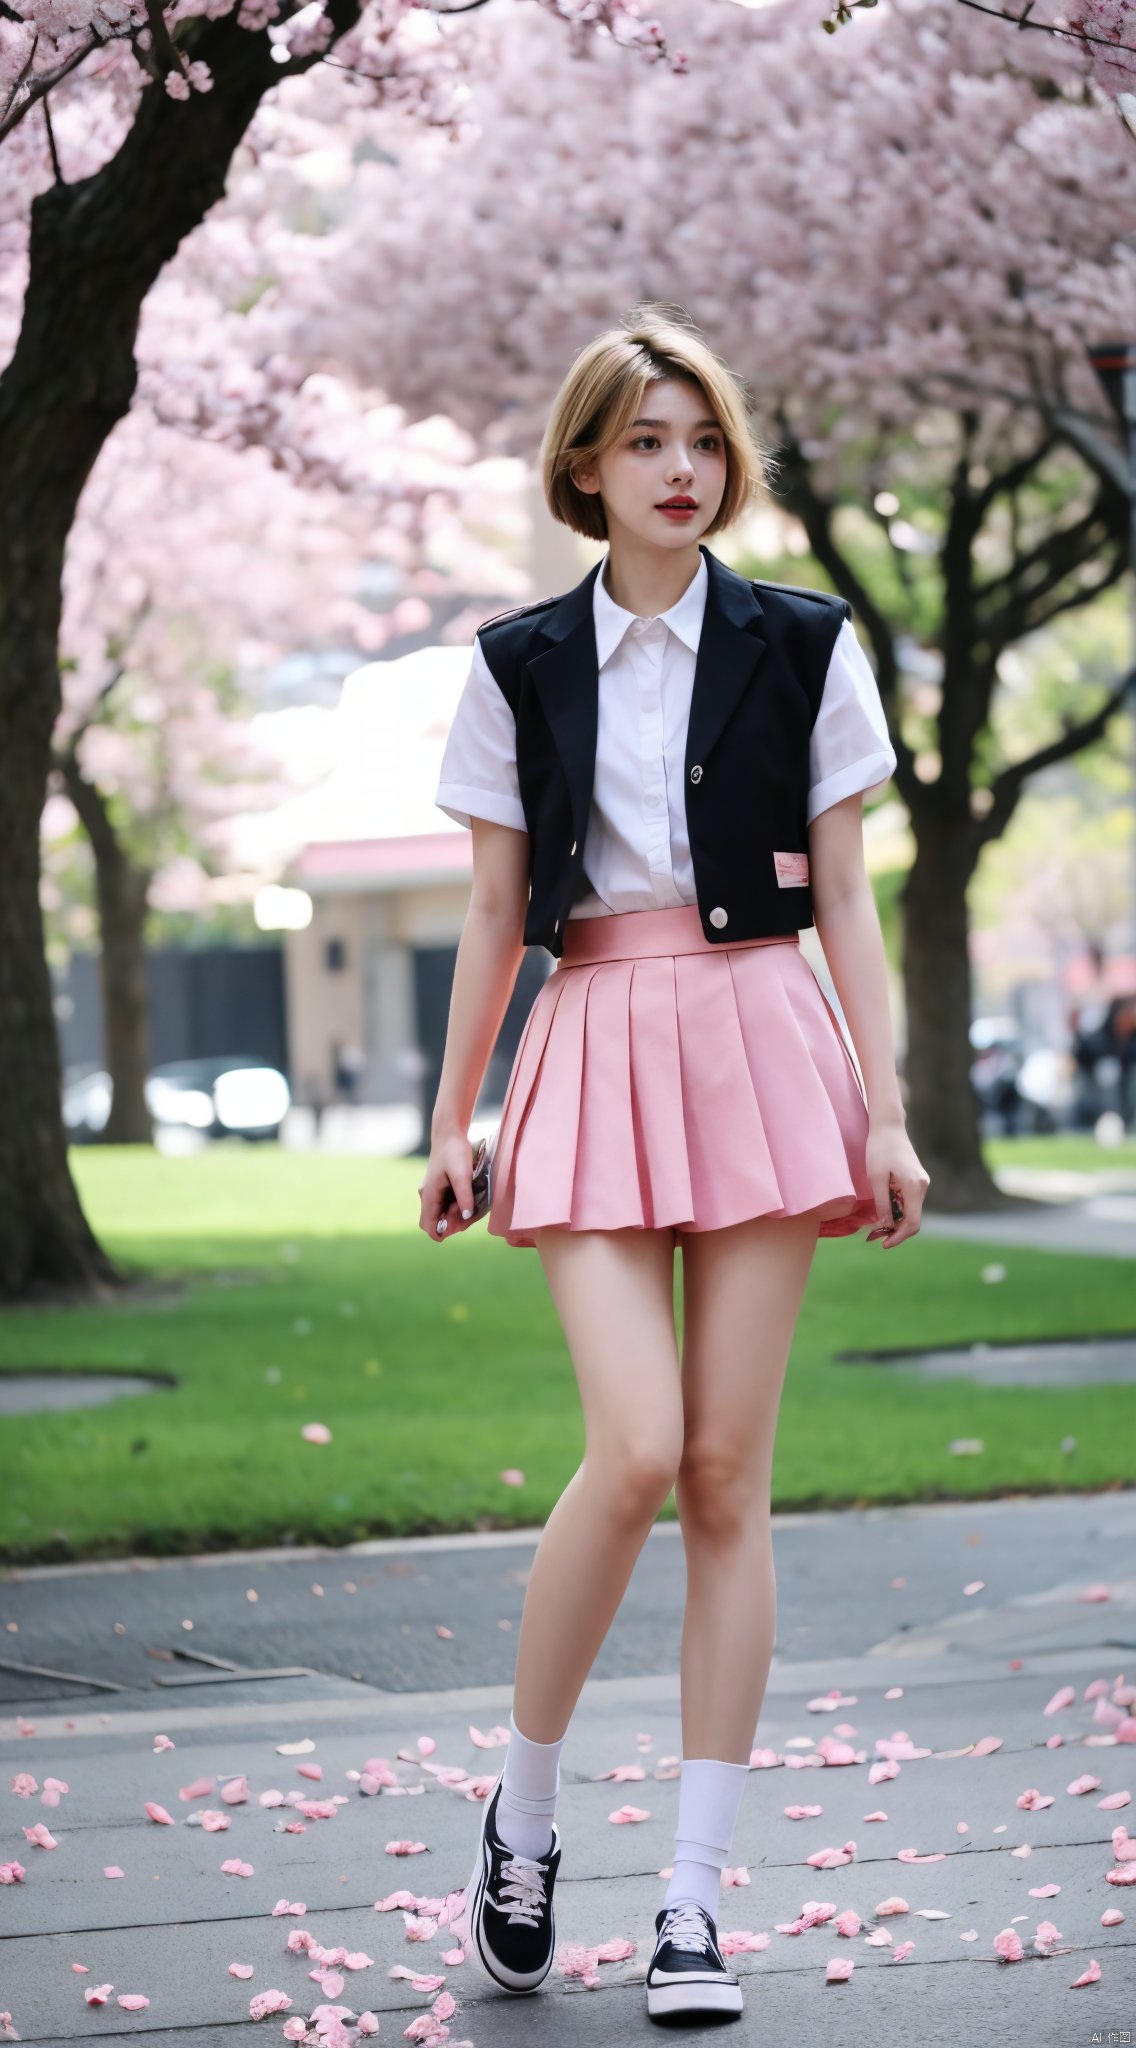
x=565 y=674
x=729 y=651
x=566 y=678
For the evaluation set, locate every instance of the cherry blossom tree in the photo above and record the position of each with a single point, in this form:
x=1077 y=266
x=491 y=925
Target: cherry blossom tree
x=900 y=237
x=1103 y=30
x=121 y=121
x=191 y=568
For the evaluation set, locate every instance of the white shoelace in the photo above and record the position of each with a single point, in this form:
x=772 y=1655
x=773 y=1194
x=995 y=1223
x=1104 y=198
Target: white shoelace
x=520 y=1893
x=685 y=1927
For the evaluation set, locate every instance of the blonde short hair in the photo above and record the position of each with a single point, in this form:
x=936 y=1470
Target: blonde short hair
x=602 y=393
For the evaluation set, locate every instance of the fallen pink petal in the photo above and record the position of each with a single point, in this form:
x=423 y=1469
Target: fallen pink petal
x=900 y=1954
x=316 y=1433
x=265 y=2002
x=158 y=1813
x=97 y=1994
x=1089 y=1976
x=1066 y=1696
x=404 y=1848
x=133 y=2001
x=198 y=1789
x=839 y=1970
x=113 y=1870
x=1008 y=1945
x=242 y=1970
x=41 y=1837
x=625 y=1814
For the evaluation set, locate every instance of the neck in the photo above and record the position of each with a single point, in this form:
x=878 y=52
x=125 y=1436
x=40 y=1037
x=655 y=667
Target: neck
x=648 y=580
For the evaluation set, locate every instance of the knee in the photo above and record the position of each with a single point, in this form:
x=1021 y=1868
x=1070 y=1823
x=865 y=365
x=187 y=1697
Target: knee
x=639 y=1474
x=720 y=1494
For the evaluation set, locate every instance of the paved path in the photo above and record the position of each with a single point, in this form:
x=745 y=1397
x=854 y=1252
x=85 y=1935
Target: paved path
x=869 y=1602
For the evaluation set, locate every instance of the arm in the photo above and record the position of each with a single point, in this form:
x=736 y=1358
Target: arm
x=848 y=927
x=489 y=956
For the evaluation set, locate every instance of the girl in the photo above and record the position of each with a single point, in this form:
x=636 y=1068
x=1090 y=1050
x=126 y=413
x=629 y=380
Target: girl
x=663 y=772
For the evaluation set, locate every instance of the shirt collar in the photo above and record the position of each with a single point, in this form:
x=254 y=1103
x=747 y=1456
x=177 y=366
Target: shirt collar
x=683 y=618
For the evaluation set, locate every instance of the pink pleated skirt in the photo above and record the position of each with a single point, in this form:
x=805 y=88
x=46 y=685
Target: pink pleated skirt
x=665 y=1082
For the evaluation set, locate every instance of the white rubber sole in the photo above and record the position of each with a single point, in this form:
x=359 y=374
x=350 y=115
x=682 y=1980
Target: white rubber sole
x=665 y=1999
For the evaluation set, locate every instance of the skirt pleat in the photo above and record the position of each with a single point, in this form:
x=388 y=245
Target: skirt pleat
x=686 y=1090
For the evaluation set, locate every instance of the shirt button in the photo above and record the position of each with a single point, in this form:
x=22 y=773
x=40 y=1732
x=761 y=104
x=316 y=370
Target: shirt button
x=719 y=917
x=696 y=774
x=556 y=926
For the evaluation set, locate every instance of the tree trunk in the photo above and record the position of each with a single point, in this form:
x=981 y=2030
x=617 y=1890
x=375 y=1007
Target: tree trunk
x=95 y=249
x=46 y=1244
x=943 y=1115
x=121 y=890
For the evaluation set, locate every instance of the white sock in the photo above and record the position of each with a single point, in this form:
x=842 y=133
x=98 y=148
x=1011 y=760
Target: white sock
x=709 y=1796
x=531 y=1781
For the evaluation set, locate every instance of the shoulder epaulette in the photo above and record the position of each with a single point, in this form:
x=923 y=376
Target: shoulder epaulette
x=518 y=612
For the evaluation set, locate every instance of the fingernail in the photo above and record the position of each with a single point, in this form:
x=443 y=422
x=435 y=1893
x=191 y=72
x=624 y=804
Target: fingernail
x=442 y=1225
x=467 y=1212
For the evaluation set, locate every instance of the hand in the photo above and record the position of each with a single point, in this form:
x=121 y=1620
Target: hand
x=899 y=1182
x=450 y=1166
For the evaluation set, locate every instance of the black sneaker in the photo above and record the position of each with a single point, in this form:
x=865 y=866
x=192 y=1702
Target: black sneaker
x=508 y=1914
x=688 y=1973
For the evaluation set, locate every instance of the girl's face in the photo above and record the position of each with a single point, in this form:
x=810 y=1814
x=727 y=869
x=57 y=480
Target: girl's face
x=673 y=448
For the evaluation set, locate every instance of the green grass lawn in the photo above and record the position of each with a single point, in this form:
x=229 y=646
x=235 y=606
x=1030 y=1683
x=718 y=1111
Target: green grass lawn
x=282 y=1288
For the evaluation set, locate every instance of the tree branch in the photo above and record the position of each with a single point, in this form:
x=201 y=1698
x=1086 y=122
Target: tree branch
x=1022 y=588
x=1050 y=28
x=1007 y=786
x=815 y=515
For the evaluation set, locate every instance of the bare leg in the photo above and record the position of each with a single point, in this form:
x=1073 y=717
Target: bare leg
x=614 y=1293
x=742 y=1291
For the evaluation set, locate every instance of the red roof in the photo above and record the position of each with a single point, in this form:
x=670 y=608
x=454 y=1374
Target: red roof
x=444 y=853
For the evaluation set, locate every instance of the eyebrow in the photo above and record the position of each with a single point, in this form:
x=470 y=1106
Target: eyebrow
x=666 y=423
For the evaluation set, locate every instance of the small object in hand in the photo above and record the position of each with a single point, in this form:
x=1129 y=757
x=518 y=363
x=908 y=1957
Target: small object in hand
x=896 y=1206
x=480 y=1177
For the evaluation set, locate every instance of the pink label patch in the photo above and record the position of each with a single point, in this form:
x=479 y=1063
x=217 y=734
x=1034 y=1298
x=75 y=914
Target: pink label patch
x=792 y=870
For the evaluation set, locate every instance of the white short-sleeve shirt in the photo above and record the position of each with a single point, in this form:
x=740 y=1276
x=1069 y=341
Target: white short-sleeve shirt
x=636 y=852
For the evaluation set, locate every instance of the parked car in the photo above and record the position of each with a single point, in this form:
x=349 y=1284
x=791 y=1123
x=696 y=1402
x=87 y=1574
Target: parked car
x=1019 y=1090
x=238 y=1097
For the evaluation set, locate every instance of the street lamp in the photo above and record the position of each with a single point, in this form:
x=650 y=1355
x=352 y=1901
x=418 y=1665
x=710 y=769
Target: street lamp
x=1115 y=365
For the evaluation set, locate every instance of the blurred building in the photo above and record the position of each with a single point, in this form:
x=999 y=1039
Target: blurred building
x=368 y=979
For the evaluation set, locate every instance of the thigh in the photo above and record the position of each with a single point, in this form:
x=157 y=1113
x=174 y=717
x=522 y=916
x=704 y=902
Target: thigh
x=614 y=1293
x=742 y=1292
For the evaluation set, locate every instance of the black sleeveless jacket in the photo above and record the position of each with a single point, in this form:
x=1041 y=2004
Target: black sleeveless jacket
x=762 y=660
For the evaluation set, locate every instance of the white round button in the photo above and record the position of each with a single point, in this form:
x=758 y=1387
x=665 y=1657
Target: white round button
x=696 y=774
x=719 y=917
